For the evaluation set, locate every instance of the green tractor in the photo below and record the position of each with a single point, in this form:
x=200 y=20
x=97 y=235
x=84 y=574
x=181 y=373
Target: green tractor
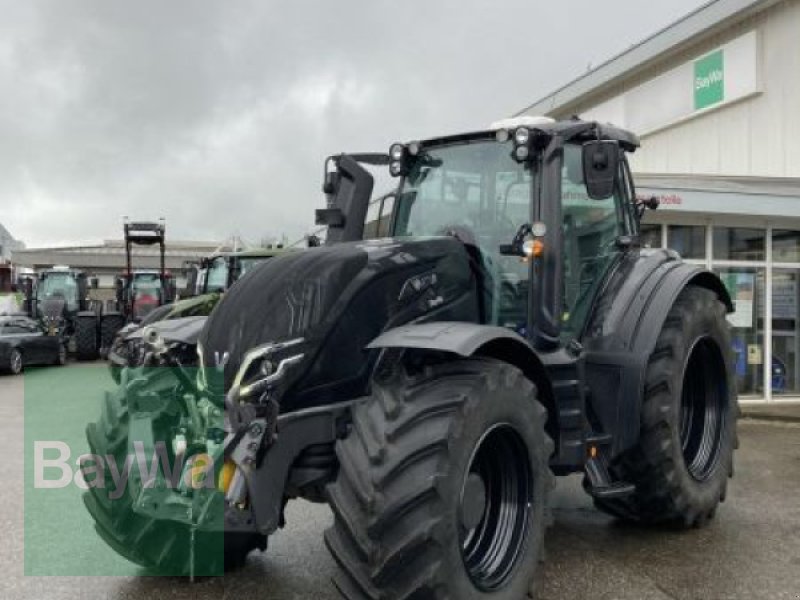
x=216 y=274
x=430 y=385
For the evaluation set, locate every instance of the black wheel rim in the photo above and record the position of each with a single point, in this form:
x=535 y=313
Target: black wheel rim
x=492 y=548
x=703 y=407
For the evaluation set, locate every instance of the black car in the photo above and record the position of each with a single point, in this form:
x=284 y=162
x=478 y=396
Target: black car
x=24 y=342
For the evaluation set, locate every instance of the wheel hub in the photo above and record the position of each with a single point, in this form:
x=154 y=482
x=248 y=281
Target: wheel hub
x=495 y=508
x=703 y=405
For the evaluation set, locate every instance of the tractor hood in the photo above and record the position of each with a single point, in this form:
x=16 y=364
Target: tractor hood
x=337 y=299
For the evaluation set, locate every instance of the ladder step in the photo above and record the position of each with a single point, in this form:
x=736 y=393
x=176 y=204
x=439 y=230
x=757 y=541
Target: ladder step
x=619 y=489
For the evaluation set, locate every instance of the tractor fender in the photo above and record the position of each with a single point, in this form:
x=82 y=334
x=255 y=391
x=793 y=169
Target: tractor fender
x=633 y=306
x=655 y=313
x=470 y=339
x=623 y=332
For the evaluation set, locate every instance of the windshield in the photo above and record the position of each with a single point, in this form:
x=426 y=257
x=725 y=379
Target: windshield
x=59 y=285
x=247 y=263
x=478 y=191
x=217 y=275
x=146 y=282
x=477 y=186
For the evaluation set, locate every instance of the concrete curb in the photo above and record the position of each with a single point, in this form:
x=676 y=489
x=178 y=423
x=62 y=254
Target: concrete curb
x=781 y=414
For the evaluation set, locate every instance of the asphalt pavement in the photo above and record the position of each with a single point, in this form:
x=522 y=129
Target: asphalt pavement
x=752 y=549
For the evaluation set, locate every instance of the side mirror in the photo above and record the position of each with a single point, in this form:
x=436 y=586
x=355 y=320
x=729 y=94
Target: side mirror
x=644 y=204
x=600 y=168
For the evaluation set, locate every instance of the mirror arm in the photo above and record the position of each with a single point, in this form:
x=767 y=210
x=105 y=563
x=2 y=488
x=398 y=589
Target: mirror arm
x=515 y=247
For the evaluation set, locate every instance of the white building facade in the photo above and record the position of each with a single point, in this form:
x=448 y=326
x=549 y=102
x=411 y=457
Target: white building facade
x=715 y=98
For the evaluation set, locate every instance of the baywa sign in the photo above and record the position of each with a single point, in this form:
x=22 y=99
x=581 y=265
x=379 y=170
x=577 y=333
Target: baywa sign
x=709 y=80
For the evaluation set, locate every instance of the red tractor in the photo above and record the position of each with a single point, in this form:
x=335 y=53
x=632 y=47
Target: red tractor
x=139 y=291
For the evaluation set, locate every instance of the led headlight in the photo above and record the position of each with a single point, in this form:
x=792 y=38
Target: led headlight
x=414 y=148
x=265 y=366
x=396 y=169
x=522 y=136
x=521 y=153
x=202 y=382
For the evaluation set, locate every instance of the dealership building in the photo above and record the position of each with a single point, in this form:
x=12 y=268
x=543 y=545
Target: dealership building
x=715 y=98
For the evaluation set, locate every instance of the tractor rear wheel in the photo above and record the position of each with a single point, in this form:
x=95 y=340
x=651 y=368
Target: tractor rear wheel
x=442 y=486
x=86 y=338
x=684 y=457
x=109 y=326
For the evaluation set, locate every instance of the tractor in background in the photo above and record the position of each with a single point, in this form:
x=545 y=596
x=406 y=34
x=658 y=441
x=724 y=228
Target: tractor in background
x=59 y=299
x=138 y=291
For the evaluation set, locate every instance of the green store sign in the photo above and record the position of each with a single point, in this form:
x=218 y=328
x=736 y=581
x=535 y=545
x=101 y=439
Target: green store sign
x=709 y=80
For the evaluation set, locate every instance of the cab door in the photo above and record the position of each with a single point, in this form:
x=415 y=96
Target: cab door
x=592 y=230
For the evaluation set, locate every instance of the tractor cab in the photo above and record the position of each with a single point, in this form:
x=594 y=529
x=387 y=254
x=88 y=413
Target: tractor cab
x=58 y=292
x=144 y=291
x=527 y=196
x=220 y=271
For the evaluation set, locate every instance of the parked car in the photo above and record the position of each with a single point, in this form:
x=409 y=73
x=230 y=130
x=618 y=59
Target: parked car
x=24 y=342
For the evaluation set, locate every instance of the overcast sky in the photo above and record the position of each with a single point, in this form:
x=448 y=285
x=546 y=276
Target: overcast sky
x=217 y=115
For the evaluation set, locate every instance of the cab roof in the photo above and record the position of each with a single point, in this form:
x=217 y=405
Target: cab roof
x=254 y=253
x=571 y=129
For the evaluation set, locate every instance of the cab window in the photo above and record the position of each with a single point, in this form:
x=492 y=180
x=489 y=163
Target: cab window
x=591 y=229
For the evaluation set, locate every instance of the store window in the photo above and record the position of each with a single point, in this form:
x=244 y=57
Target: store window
x=746 y=288
x=687 y=240
x=650 y=236
x=739 y=243
x=785 y=245
x=785 y=369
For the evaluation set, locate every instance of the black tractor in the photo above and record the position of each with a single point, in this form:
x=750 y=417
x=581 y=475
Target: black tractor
x=430 y=385
x=59 y=299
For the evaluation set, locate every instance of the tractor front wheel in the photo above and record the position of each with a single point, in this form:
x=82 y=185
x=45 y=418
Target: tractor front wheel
x=442 y=486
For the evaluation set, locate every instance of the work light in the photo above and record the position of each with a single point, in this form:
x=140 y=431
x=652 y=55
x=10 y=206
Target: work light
x=396 y=152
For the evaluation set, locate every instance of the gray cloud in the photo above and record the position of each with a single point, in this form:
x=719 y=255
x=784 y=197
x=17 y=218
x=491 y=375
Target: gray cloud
x=217 y=115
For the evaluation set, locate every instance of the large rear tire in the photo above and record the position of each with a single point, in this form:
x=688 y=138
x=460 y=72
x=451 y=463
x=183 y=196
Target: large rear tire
x=162 y=546
x=443 y=485
x=684 y=457
x=109 y=326
x=86 y=338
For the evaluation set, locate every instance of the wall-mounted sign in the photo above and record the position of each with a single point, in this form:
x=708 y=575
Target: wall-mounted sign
x=724 y=75
x=754 y=355
x=709 y=80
